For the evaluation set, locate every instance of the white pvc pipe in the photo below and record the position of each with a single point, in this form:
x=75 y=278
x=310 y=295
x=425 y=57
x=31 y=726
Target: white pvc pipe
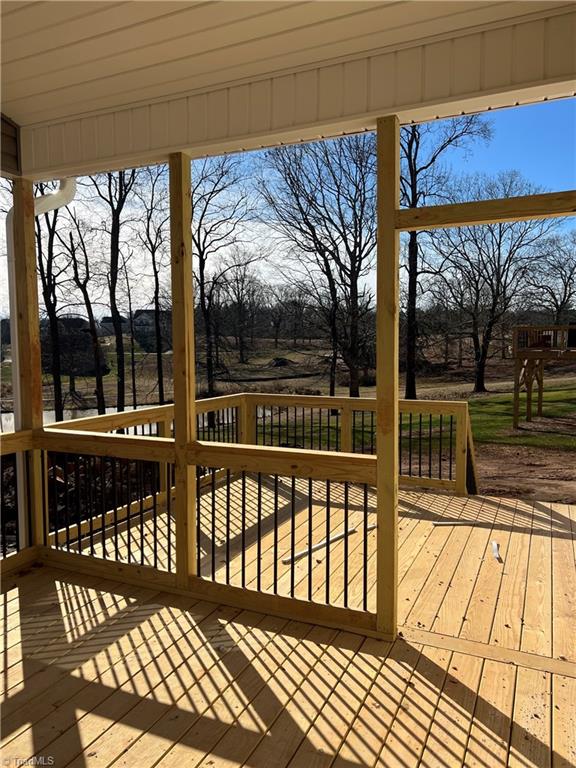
x=62 y=196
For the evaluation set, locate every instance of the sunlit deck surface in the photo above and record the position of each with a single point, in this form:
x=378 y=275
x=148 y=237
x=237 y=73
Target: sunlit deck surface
x=483 y=674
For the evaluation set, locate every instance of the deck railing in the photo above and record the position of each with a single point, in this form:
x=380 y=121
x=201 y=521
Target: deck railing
x=285 y=495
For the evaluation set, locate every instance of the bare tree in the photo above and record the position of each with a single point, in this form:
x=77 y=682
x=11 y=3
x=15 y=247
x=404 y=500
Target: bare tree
x=320 y=198
x=244 y=293
x=423 y=182
x=79 y=244
x=153 y=194
x=484 y=269
x=220 y=207
x=114 y=190
x=553 y=281
x=51 y=269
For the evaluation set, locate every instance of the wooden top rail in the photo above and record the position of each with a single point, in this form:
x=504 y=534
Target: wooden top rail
x=446 y=407
x=217 y=403
x=120 y=420
x=14 y=442
x=317 y=465
x=96 y=444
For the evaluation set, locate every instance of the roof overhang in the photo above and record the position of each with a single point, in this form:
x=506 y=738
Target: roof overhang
x=102 y=85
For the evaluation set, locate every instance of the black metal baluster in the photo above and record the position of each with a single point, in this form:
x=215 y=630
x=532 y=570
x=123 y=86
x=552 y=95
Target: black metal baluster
x=213 y=522
x=430 y=445
x=420 y=445
x=129 y=509
x=77 y=495
x=66 y=500
x=54 y=496
x=365 y=552
x=362 y=439
x=328 y=521
x=115 y=507
x=329 y=415
x=310 y=488
x=198 y=521
x=169 y=515
x=338 y=441
x=259 y=531
x=275 y=586
x=227 y=526
x=450 y=447
x=372 y=432
x=304 y=428
x=292 y=535
x=440 y=453
x=91 y=501
x=243 y=517
x=410 y=444
x=155 y=512
x=346 y=511
x=140 y=475
x=354 y=431
x=103 y=505
x=400 y=444
x=320 y=429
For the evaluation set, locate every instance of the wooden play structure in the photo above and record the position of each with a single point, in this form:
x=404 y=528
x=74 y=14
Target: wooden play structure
x=532 y=347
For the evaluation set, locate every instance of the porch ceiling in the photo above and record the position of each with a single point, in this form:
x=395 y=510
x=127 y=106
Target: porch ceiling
x=74 y=62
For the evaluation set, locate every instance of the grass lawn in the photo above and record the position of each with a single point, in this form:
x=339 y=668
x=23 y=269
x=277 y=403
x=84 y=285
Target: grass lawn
x=492 y=420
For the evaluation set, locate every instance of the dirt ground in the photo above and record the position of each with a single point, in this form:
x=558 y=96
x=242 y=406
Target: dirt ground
x=526 y=473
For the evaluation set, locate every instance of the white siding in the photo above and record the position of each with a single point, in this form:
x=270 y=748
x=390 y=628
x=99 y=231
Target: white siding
x=503 y=65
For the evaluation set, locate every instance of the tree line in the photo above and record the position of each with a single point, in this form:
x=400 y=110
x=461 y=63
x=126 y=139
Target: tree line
x=284 y=244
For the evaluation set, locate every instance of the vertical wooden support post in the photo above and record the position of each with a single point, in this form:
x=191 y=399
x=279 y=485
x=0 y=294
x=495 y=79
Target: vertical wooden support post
x=183 y=364
x=461 y=453
x=540 y=386
x=346 y=429
x=529 y=379
x=26 y=331
x=387 y=323
x=517 y=371
x=247 y=434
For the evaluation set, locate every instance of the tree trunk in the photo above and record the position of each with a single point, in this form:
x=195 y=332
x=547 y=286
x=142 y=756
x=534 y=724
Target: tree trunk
x=158 y=334
x=115 y=314
x=411 y=322
x=56 y=368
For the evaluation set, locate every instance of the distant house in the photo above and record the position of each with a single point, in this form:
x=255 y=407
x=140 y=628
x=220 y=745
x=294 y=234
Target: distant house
x=108 y=327
x=145 y=329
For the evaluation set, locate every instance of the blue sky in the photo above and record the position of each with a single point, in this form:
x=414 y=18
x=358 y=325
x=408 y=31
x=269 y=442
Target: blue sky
x=537 y=139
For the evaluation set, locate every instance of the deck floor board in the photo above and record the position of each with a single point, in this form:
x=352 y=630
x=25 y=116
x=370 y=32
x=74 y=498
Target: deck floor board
x=99 y=673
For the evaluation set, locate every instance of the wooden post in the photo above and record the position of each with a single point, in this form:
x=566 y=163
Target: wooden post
x=517 y=371
x=462 y=430
x=387 y=315
x=25 y=328
x=183 y=365
x=529 y=381
x=540 y=386
x=247 y=435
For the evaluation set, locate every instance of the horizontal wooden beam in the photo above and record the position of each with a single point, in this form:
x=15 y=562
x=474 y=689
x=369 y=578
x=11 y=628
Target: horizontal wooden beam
x=16 y=562
x=545 y=206
x=14 y=442
x=121 y=420
x=345 y=619
x=96 y=444
x=317 y=465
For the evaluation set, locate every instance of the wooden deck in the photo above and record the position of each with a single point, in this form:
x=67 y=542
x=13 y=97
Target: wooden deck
x=483 y=674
